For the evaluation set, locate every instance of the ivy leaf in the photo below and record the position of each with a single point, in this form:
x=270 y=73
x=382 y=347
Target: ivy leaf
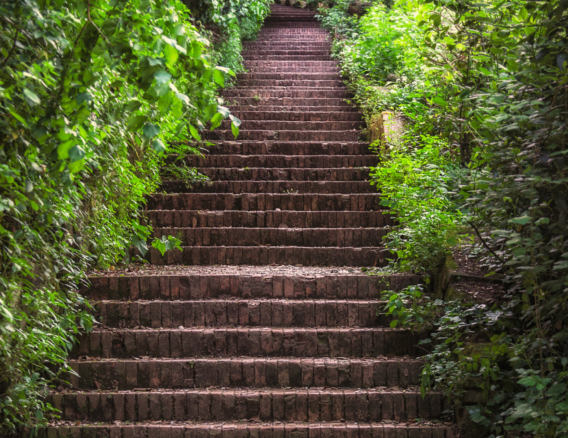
x=133 y=105
x=194 y=133
x=235 y=130
x=216 y=121
x=527 y=381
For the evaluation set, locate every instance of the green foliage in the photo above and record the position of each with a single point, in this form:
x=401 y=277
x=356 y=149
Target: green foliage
x=231 y=22
x=490 y=81
x=93 y=94
x=417 y=181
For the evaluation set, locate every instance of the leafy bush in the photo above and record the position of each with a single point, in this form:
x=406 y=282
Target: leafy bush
x=92 y=94
x=489 y=80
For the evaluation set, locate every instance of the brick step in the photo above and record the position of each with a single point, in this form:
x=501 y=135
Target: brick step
x=284 y=174
x=223 y=134
x=361 y=405
x=265 y=201
x=263 y=67
x=290 y=102
x=250 y=429
x=288 y=76
x=255 y=106
x=289 y=27
x=337 y=83
x=290 y=148
x=298 y=58
x=113 y=374
x=287 y=52
x=296 y=116
x=283 y=45
x=250 y=313
x=294 y=64
x=283 y=93
x=295 y=125
x=300 y=237
x=186 y=284
x=264 y=342
x=276 y=35
x=259 y=187
x=271 y=218
x=287 y=161
x=275 y=255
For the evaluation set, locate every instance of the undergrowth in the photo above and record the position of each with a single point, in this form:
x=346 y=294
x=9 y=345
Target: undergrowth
x=482 y=89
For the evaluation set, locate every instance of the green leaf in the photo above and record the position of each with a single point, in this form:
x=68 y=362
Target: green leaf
x=18 y=117
x=219 y=78
x=235 y=130
x=527 y=381
x=76 y=153
x=210 y=111
x=162 y=76
x=158 y=146
x=133 y=105
x=216 y=121
x=151 y=130
x=63 y=149
x=31 y=97
x=523 y=220
x=171 y=54
x=135 y=123
x=194 y=133
x=235 y=120
x=439 y=101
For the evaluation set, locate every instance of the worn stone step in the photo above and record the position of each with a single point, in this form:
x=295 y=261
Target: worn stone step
x=250 y=313
x=313 y=83
x=112 y=374
x=296 y=135
x=279 y=107
x=287 y=101
x=275 y=67
x=266 y=404
x=217 y=283
x=283 y=45
x=297 y=116
x=250 y=341
x=287 y=52
x=298 y=58
x=290 y=148
x=258 y=187
x=288 y=76
x=300 y=237
x=279 y=255
x=285 y=161
x=270 y=218
x=265 y=201
x=287 y=93
x=250 y=429
x=295 y=125
x=284 y=174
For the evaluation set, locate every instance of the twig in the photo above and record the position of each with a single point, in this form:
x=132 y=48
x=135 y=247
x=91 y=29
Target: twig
x=12 y=49
x=485 y=244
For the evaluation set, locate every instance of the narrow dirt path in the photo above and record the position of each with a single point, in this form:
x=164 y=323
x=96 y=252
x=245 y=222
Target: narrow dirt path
x=258 y=328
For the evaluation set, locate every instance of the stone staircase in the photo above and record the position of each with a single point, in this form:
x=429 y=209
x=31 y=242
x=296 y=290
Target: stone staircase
x=259 y=328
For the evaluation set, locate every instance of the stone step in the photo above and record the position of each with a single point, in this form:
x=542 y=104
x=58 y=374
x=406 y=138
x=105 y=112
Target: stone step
x=275 y=237
x=295 y=125
x=259 y=187
x=287 y=52
x=270 y=218
x=283 y=45
x=298 y=58
x=265 y=201
x=275 y=255
x=295 y=116
x=314 y=83
x=249 y=313
x=280 y=107
x=287 y=93
x=324 y=149
x=250 y=429
x=112 y=374
x=297 y=135
x=242 y=283
x=288 y=76
x=291 y=102
x=286 y=161
x=284 y=174
x=361 y=405
x=273 y=67
x=250 y=341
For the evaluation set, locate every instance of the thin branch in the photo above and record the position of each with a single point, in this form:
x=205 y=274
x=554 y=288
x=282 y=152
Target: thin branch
x=485 y=244
x=12 y=49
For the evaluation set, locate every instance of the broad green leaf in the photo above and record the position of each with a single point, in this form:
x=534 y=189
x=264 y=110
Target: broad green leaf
x=135 y=123
x=219 y=78
x=194 y=133
x=162 y=76
x=133 y=105
x=235 y=130
x=216 y=121
x=439 y=101
x=158 y=146
x=63 y=149
x=151 y=130
x=76 y=153
x=31 y=97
